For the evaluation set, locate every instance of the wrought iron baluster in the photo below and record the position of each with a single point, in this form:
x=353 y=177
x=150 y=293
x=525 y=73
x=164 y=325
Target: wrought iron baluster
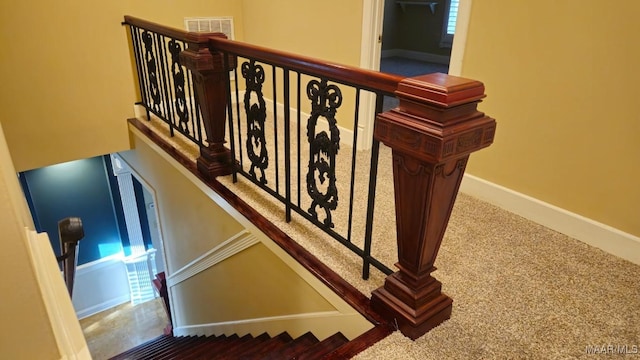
x=373 y=178
x=231 y=134
x=298 y=137
x=178 y=75
x=275 y=126
x=353 y=163
x=225 y=62
x=287 y=145
x=135 y=33
x=256 y=113
x=152 y=74
x=323 y=148
x=163 y=77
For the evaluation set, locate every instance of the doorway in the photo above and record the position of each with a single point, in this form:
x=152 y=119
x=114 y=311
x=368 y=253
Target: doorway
x=374 y=36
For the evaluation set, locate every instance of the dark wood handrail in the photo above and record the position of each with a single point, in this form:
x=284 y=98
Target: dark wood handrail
x=350 y=75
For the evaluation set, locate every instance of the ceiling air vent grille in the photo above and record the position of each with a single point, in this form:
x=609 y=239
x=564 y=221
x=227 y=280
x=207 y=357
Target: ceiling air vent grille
x=210 y=24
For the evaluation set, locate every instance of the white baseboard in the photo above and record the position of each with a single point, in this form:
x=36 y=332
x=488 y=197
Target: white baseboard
x=92 y=310
x=100 y=285
x=417 y=55
x=322 y=325
x=591 y=232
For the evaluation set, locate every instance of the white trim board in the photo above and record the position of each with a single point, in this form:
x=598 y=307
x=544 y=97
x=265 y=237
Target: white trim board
x=591 y=232
x=321 y=324
x=230 y=247
x=100 y=285
x=105 y=305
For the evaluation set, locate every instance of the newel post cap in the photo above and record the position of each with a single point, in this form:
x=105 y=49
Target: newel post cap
x=437 y=118
x=441 y=90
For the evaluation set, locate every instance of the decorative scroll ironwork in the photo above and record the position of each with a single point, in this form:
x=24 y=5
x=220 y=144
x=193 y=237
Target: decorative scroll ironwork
x=178 y=83
x=150 y=59
x=323 y=148
x=256 y=117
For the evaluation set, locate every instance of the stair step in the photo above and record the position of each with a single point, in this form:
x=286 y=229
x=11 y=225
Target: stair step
x=267 y=347
x=231 y=347
x=185 y=344
x=294 y=348
x=248 y=346
x=322 y=348
x=208 y=347
x=211 y=350
x=154 y=346
x=282 y=346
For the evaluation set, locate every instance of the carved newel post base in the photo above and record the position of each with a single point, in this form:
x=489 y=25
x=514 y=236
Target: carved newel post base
x=210 y=81
x=432 y=132
x=214 y=161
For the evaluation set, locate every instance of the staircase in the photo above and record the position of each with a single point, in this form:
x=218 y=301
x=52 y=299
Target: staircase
x=282 y=346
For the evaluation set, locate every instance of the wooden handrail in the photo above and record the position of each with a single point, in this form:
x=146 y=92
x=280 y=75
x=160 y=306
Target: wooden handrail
x=350 y=75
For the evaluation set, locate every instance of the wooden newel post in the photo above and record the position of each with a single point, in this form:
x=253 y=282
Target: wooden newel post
x=432 y=132
x=209 y=79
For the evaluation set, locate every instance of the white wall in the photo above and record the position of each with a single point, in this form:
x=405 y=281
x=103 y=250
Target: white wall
x=100 y=285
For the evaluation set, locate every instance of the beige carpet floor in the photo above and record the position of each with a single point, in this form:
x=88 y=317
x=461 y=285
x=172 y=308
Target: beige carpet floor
x=520 y=290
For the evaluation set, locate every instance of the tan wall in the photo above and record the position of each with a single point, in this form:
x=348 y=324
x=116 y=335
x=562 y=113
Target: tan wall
x=561 y=79
x=27 y=333
x=329 y=30
x=67 y=75
x=270 y=289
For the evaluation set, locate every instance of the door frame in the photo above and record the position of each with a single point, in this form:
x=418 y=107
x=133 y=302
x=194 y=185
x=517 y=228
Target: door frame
x=371 y=49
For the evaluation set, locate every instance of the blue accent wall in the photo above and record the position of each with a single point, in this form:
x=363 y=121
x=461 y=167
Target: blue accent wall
x=78 y=188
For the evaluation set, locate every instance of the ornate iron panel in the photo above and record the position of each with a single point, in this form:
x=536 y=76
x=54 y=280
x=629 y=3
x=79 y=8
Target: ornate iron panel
x=256 y=116
x=177 y=71
x=152 y=71
x=323 y=148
